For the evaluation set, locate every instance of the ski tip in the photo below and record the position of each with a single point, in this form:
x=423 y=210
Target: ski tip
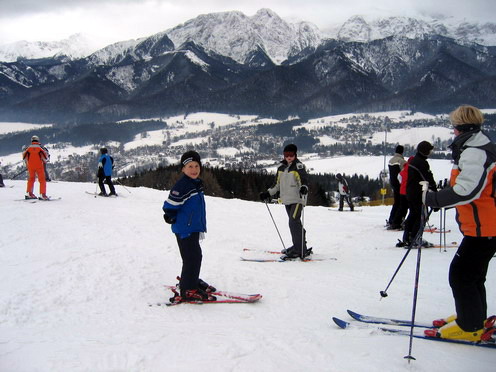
x=340 y=323
x=353 y=314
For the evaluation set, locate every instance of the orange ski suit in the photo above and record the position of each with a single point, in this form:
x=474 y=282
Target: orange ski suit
x=35 y=157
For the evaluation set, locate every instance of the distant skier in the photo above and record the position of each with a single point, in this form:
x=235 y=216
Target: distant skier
x=344 y=192
x=400 y=205
x=105 y=167
x=1 y=180
x=35 y=158
x=291 y=183
x=47 y=176
x=185 y=210
x=418 y=170
x=472 y=192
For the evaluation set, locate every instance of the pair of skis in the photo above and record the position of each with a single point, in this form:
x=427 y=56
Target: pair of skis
x=223 y=297
x=34 y=200
x=280 y=259
x=382 y=322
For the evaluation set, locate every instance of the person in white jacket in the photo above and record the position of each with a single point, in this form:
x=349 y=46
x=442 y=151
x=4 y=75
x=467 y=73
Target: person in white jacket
x=344 y=192
x=291 y=183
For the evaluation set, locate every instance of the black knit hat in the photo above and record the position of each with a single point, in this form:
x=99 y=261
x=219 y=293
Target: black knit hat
x=291 y=148
x=103 y=150
x=425 y=148
x=399 y=149
x=190 y=156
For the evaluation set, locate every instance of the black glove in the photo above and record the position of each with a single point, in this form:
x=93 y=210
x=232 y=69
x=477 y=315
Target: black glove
x=265 y=196
x=303 y=190
x=168 y=219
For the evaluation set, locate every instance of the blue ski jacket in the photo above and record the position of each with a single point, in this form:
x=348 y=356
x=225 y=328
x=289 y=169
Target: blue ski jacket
x=106 y=162
x=186 y=205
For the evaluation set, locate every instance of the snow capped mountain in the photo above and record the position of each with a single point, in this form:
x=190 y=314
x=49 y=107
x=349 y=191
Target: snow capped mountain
x=235 y=35
x=364 y=29
x=74 y=47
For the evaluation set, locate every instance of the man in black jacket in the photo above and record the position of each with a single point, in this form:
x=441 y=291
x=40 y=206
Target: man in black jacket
x=400 y=205
x=418 y=170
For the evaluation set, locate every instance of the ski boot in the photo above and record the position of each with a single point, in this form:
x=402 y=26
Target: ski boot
x=438 y=323
x=452 y=331
x=489 y=334
x=44 y=197
x=296 y=253
x=204 y=286
x=196 y=295
x=30 y=195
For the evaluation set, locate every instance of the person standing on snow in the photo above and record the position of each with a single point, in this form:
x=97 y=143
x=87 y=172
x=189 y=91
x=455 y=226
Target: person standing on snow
x=35 y=158
x=472 y=192
x=105 y=167
x=1 y=179
x=291 y=183
x=344 y=192
x=185 y=210
x=418 y=170
x=400 y=205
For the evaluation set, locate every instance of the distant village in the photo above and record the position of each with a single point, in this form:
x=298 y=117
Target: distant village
x=241 y=145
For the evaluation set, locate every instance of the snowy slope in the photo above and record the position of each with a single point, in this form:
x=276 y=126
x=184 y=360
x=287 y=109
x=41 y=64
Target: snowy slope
x=77 y=275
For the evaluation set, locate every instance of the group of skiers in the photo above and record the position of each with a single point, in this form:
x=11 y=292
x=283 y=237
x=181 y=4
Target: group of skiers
x=36 y=157
x=472 y=191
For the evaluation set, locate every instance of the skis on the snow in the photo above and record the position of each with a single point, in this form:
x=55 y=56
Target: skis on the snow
x=445 y=246
x=223 y=297
x=368 y=322
x=34 y=200
x=345 y=210
x=306 y=259
x=433 y=230
x=95 y=194
x=261 y=250
x=388 y=321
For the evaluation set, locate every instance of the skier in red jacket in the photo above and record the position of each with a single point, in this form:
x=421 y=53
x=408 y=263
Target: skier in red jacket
x=35 y=157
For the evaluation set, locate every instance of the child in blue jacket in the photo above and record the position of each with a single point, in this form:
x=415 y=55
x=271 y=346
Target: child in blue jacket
x=185 y=211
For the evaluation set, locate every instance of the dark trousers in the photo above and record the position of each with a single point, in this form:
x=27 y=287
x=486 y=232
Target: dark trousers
x=191 y=254
x=295 y=227
x=467 y=276
x=342 y=198
x=399 y=208
x=412 y=223
x=108 y=181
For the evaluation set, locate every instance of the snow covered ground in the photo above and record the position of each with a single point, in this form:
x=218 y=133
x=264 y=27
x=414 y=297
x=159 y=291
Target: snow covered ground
x=77 y=275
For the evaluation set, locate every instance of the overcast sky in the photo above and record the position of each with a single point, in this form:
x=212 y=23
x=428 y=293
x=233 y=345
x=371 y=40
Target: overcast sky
x=117 y=20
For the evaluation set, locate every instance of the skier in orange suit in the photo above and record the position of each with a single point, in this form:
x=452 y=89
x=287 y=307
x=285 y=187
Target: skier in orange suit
x=35 y=157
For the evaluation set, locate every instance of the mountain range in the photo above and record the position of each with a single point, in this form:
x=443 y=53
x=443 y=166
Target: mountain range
x=229 y=62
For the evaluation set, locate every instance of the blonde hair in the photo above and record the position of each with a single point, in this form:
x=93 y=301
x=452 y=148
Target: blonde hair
x=466 y=114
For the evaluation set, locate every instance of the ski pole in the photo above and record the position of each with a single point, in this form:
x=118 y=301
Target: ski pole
x=444 y=228
x=441 y=227
x=125 y=188
x=304 y=202
x=278 y=233
x=424 y=218
x=18 y=174
x=416 y=241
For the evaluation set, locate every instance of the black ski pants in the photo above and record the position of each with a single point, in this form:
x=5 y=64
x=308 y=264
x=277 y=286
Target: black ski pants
x=108 y=181
x=467 y=276
x=412 y=223
x=191 y=254
x=342 y=198
x=399 y=208
x=295 y=226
